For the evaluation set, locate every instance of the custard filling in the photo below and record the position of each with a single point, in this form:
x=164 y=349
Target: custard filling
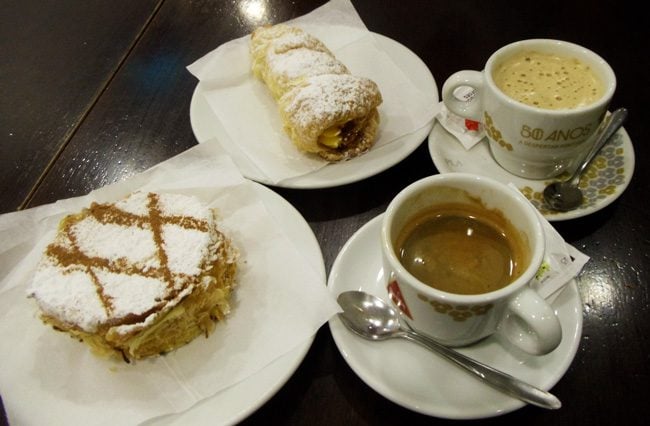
x=331 y=137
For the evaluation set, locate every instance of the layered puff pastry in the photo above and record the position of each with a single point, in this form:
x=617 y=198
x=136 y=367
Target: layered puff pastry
x=325 y=109
x=139 y=277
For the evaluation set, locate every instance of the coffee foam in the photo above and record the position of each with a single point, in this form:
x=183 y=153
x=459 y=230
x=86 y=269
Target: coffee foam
x=548 y=81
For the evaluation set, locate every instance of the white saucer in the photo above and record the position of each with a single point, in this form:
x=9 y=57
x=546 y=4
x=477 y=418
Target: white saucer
x=606 y=178
x=417 y=379
x=205 y=127
x=237 y=402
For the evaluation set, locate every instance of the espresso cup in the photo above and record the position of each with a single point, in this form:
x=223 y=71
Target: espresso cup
x=459 y=251
x=540 y=101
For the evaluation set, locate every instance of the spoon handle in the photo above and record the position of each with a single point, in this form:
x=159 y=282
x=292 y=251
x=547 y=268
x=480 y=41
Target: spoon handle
x=611 y=126
x=498 y=379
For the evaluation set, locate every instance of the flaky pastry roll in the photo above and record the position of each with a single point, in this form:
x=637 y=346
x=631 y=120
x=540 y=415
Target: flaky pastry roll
x=325 y=110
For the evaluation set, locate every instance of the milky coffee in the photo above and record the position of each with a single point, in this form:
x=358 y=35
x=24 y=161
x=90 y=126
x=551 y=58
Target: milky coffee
x=548 y=81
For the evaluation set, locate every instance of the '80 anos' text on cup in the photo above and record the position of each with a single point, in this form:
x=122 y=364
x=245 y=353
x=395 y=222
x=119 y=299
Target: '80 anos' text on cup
x=540 y=101
x=459 y=252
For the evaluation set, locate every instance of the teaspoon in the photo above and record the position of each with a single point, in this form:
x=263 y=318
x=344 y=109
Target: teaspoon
x=371 y=318
x=566 y=195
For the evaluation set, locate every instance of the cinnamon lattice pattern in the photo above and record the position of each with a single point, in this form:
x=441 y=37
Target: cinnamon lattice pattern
x=72 y=258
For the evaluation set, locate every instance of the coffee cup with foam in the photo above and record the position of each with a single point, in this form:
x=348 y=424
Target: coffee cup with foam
x=541 y=102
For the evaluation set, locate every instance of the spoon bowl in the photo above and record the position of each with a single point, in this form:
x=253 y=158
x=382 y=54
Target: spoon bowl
x=566 y=195
x=370 y=317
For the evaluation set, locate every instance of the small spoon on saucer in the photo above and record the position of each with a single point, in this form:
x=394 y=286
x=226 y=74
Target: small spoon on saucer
x=371 y=318
x=566 y=195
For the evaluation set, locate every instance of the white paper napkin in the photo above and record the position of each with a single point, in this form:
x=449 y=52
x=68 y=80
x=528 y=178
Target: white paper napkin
x=245 y=109
x=281 y=301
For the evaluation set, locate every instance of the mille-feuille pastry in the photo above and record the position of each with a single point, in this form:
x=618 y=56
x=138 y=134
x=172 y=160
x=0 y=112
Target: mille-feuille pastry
x=138 y=277
x=325 y=110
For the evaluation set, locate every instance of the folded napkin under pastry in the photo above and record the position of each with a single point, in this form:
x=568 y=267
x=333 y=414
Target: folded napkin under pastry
x=275 y=308
x=246 y=112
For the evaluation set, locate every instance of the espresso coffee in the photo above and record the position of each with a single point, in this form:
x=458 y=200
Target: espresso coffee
x=463 y=249
x=548 y=81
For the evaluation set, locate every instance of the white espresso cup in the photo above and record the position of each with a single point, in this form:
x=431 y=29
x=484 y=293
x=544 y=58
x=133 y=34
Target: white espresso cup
x=454 y=318
x=535 y=131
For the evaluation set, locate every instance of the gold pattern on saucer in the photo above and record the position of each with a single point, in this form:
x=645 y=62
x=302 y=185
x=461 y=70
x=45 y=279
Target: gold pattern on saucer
x=459 y=312
x=494 y=133
x=603 y=177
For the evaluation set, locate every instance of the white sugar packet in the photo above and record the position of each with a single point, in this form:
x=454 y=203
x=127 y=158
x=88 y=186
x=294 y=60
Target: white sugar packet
x=466 y=131
x=279 y=304
x=248 y=117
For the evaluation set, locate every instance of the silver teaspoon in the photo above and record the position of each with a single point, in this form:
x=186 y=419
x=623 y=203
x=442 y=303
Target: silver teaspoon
x=566 y=195
x=371 y=318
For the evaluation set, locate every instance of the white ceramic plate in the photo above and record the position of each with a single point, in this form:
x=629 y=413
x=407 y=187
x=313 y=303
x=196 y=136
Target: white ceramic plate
x=375 y=161
x=419 y=380
x=235 y=403
x=604 y=181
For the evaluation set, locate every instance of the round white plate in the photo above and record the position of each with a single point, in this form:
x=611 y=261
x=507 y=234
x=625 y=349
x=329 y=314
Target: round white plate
x=604 y=181
x=375 y=161
x=235 y=403
x=419 y=380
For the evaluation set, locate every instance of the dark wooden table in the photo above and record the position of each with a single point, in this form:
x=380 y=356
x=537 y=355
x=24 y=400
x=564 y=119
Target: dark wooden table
x=92 y=92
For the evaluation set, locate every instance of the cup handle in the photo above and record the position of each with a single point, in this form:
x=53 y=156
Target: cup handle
x=472 y=108
x=530 y=323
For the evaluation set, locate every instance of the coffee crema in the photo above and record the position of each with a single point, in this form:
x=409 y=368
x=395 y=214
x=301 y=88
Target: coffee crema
x=548 y=81
x=463 y=249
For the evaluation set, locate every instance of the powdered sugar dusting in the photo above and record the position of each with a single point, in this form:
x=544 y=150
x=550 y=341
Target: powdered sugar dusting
x=316 y=93
x=69 y=295
x=303 y=62
x=136 y=203
x=291 y=40
x=185 y=248
x=324 y=97
x=112 y=241
x=131 y=294
x=281 y=38
x=122 y=260
x=181 y=205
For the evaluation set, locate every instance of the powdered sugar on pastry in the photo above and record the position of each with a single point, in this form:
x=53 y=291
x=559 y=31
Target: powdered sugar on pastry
x=325 y=110
x=282 y=38
x=296 y=64
x=116 y=268
x=329 y=98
